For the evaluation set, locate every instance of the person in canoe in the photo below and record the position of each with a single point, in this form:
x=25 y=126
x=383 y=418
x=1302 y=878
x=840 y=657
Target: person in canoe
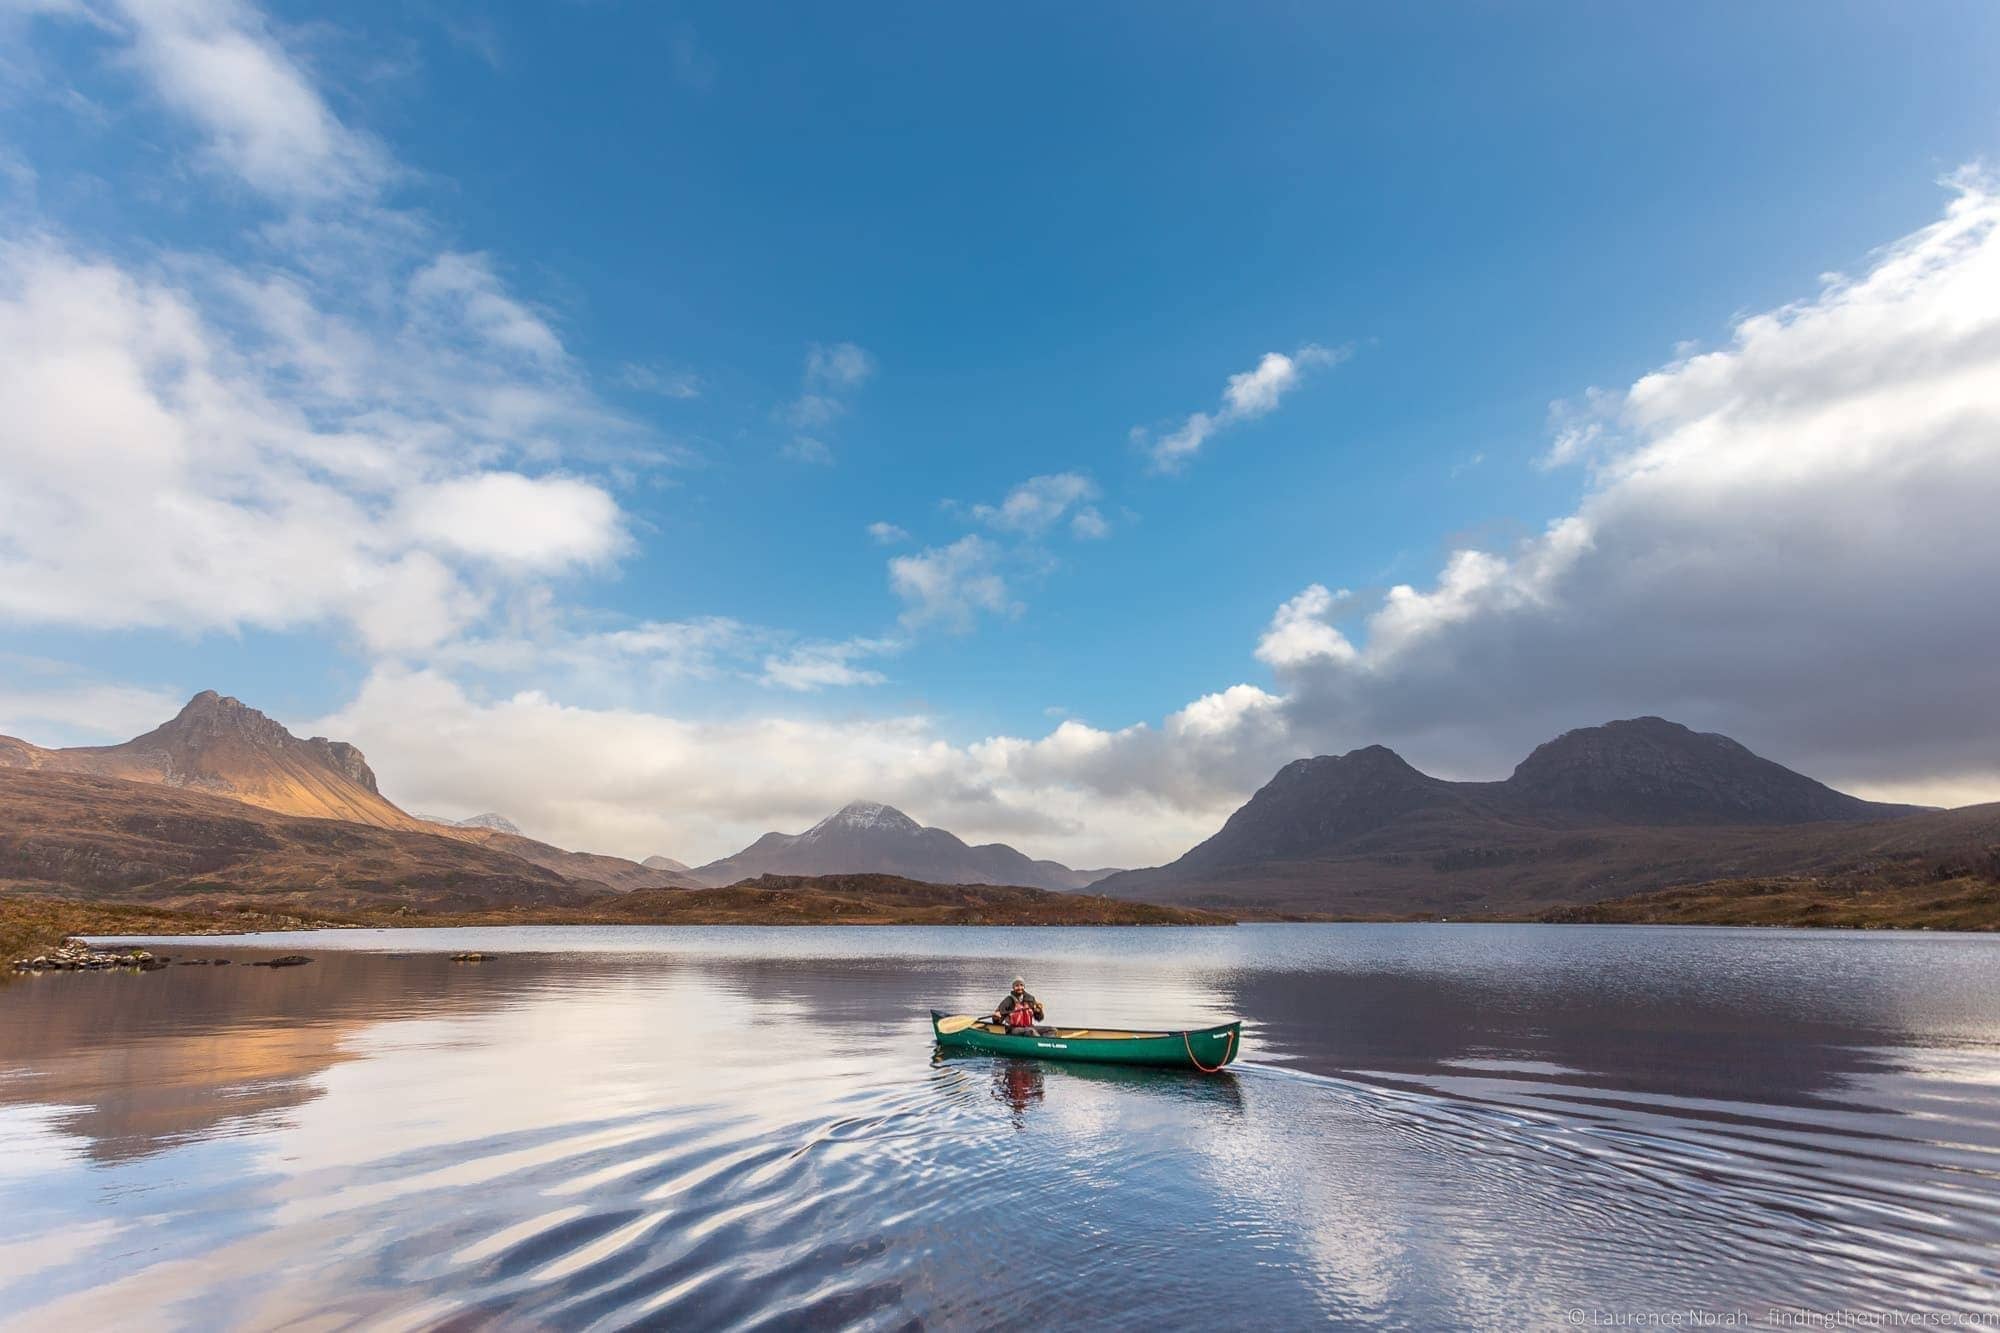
x=1017 y=1008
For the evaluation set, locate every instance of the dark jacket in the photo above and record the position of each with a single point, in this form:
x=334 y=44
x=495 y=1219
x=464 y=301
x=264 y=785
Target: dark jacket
x=1006 y=1005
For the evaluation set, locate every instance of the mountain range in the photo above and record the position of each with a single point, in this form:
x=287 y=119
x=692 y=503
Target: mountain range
x=1594 y=813
x=867 y=836
x=223 y=797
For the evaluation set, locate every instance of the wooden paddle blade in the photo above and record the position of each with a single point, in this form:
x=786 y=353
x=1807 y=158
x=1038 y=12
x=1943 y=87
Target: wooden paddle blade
x=956 y=1023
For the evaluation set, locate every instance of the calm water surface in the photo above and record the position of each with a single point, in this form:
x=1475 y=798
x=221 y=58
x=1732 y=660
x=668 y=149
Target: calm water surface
x=1435 y=1126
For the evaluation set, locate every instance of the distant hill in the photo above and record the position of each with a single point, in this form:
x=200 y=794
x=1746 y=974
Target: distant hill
x=1938 y=891
x=869 y=837
x=663 y=863
x=616 y=872
x=497 y=822
x=90 y=840
x=222 y=747
x=1619 y=808
x=869 y=899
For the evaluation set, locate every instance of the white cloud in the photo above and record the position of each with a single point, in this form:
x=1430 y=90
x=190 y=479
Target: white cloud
x=815 y=666
x=163 y=472
x=355 y=428
x=541 y=641
x=461 y=292
x=949 y=585
x=527 y=524
x=1790 y=539
x=832 y=370
x=1301 y=633
x=805 y=449
x=814 y=409
x=1037 y=504
x=887 y=534
x=1248 y=395
x=665 y=383
x=1087 y=524
x=839 y=365
x=215 y=62
x=637 y=783
x=56 y=703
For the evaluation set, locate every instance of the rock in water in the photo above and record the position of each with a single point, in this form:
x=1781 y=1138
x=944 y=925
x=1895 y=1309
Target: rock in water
x=289 y=960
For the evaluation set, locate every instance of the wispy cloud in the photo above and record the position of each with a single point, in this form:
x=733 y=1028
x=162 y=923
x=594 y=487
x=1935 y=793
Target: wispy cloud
x=1038 y=503
x=362 y=428
x=808 y=667
x=950 y=585
x=887 y=534
x=839 y=365
x=1248 y=395
x=832 y=371
x=216 y=62
x=806 y=449
x=664 y=383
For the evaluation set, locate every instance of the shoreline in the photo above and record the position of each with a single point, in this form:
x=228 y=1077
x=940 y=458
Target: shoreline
x=1931 y=903
x=31 y=925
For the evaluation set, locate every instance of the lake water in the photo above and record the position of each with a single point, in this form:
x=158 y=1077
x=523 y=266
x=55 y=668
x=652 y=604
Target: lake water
x=1433 y=1126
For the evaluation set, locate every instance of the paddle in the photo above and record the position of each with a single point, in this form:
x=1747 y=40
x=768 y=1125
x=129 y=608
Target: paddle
x=957 y=1023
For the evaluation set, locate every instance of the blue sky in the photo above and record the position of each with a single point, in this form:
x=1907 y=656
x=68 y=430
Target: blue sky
x=588 y=341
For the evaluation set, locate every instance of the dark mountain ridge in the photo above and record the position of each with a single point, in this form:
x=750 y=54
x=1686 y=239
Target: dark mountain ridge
x=1651 y=771
x=1642 y=802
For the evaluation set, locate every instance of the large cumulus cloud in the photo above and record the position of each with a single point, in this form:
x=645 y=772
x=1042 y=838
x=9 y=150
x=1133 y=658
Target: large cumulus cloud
x=1794 y=538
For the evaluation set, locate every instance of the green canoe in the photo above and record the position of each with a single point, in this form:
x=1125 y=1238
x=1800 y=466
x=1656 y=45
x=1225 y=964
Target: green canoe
x=1208 y=1049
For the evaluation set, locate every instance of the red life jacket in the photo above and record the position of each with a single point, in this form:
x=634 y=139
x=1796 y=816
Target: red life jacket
x=1022 y=1015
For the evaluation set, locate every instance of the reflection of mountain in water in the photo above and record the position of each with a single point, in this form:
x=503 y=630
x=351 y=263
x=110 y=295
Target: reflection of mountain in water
x=207 y=1047
x=749 y=1128
x=145 y=1063
x=1630 y=1038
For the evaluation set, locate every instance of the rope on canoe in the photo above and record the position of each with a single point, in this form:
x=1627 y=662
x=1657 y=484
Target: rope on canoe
x=1227 y=1046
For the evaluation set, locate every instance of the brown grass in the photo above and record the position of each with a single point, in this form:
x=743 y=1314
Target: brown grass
x=31 y=924
x=1938 y=893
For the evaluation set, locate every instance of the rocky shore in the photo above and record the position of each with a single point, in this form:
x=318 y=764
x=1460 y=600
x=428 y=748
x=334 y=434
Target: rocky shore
x=75 y=955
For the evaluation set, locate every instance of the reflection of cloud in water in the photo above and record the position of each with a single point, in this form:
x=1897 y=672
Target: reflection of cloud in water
x=708 y=1134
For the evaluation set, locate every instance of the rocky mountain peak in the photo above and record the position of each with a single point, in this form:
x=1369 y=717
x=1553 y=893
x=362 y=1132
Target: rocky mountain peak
x=1369 y=765
x=220 y=745
x=866 y=817
x=498 y=823
x=210 y=720
x=210 y=716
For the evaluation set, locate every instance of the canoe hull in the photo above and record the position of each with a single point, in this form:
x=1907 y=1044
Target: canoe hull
x=1206 y=1049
